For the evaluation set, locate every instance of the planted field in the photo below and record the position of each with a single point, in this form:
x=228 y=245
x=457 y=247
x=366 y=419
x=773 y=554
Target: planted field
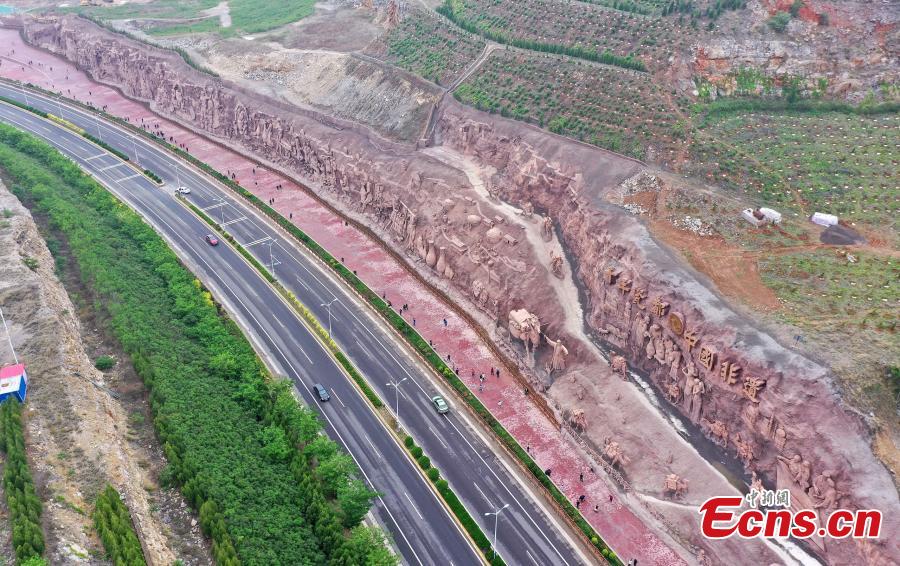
x=429 y=46
x=580 y=28
x=189 y=16
x=820 y=286
x=841 y=163
x=623 y=111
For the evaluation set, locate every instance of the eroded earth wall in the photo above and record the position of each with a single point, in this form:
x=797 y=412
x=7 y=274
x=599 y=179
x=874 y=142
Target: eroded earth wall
x=777 y=411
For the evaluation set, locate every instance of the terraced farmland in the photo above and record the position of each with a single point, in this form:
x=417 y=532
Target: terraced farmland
x=845 y=164
x=429 y=46
x=620 y=110
x=582 y=27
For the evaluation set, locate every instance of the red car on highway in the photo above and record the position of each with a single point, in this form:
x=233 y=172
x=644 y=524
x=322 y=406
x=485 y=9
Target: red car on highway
x=212 y=240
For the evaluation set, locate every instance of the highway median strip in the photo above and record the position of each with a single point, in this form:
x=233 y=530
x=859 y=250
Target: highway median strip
x=410 y=335
x=83 y=133
x=441 y=486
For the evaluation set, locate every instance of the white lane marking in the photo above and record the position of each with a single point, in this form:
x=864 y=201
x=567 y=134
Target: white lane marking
x=135 y=176
x=259 y=241
x=96 y=156
x=234 y=220
x=305 y=286
x=119 y=164
x=441 y=440
x=536 y=563
x=366 y=436
x=212 y=206
x=486 y=498
x=416 y=509
x=30 y=127
x=278 y=320
x=338 y=398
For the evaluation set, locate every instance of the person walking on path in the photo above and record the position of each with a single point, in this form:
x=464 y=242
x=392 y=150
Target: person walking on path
x=581 y=477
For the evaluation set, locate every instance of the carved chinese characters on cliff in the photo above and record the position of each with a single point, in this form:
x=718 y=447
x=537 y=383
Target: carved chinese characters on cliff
x=707 y=357
x=729 y=372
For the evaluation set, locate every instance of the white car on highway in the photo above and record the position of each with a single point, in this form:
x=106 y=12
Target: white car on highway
x=183 y=190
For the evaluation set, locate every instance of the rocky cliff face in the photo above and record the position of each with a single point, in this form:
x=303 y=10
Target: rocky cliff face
x=852 y=46
x=762 y=402
x=758 y=399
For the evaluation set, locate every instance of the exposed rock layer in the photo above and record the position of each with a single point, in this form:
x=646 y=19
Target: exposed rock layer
x=641 y=300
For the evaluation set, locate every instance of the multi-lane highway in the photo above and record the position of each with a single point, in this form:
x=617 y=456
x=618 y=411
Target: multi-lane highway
x=422 y=530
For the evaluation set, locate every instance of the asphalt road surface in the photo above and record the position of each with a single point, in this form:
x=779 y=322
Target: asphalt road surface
x=420 y=526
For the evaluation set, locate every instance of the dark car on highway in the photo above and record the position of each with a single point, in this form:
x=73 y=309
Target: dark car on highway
x=322 y=392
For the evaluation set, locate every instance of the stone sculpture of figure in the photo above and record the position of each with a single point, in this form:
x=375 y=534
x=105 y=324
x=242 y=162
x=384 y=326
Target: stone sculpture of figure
x=744 y=449
x=674 y=361
x=799 y=469
x=614 y=452
x=674 y=486
x=547 y=229
x=658 y=344
x=558 y=361
x=651 y=344
x=673 y=392
x=578 y=420
x=526 y=327
x=756 y=483
x=619 y=365
x=411 y=231
x=719 y=431
x=556 y=264
x=693 y=397
x=824 y=491
x=527 y=209
x=639 y=332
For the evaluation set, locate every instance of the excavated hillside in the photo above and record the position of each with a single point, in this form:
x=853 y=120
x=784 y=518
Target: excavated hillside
x=85 y=428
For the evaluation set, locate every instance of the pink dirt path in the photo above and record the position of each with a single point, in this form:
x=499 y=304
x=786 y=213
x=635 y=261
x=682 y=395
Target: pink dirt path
x=628 y=536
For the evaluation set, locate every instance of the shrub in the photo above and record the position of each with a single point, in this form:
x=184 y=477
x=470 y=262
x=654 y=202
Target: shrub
x=779 y=21
x=104 y=363
x=433 y=474
x=409 y=442
x=21 y=498
x=424 y=462
x=416 y=451
x=116 y=530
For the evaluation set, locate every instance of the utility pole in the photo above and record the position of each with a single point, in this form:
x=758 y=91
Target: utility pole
x=328 y=306
x=496 y=515
x=9 y=337
x=137 y=158
x=396 y=386
x=271 y=259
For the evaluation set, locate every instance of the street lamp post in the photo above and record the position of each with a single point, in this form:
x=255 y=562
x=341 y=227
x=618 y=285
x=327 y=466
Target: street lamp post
x=396 y=386
x=271 y=259
x=137 y=158
x=328 y=307
x=496 y=515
